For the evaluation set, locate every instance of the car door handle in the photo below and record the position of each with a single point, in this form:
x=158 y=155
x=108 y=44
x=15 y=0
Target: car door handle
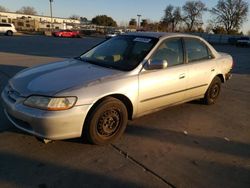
x=212 y=70
x=182 y=76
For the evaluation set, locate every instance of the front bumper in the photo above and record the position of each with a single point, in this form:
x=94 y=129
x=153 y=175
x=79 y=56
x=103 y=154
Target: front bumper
x=53 y=125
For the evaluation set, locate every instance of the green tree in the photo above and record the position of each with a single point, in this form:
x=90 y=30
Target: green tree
x=83 y=19
x=193 y=11
x=230 y=14
x=74 y=17
x=104 y=20
x=27 y=10
x=144 y=23
x=133 y=22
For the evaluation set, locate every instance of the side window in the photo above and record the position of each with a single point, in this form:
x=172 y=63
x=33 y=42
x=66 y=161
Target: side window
x=196 y=50
x=5 y=25
x=170 y=50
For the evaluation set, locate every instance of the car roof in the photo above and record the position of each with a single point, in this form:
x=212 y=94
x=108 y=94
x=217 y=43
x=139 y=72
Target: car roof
x=157 y=34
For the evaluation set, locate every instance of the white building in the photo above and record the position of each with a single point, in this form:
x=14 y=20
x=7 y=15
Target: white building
x=7 y=17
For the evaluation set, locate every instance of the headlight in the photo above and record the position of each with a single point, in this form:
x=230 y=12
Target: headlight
x=50 y=103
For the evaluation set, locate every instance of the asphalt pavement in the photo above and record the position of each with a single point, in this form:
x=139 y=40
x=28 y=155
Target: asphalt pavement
x=190 y=145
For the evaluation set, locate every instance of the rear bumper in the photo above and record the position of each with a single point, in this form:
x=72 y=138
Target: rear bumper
x=45 y=124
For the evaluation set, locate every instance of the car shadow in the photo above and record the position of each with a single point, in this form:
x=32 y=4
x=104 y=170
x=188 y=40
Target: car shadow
x=28 y=171
x=207 y=143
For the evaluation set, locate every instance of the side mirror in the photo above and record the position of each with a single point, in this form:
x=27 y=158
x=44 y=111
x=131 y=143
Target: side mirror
x=156 y=64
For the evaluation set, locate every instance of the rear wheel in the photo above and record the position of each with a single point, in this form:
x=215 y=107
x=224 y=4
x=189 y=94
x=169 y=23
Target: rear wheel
x=106 y=122
x=9 y=33
x=213 y=91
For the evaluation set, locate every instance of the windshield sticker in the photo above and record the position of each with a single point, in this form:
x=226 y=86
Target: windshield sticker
x=145 y=40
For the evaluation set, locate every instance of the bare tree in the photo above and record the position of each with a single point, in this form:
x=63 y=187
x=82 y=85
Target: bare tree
x=230 y=14
x=209 y=28
x=172 y=17
x=177 y=18
x=193 y=11
x=3 y=9
x=152 y=26
x=27 y=10
x=168 y=17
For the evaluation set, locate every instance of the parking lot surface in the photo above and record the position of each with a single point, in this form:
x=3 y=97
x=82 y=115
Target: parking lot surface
x=190 y=145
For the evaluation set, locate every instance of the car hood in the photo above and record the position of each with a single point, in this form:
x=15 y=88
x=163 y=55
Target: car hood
x=52 y=78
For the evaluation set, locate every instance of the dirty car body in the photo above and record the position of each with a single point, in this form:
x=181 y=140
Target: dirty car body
x=122 y=78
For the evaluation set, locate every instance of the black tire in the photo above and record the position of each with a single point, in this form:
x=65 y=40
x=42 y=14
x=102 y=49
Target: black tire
x=9 y=33
x=106 y=122
x=213 y=91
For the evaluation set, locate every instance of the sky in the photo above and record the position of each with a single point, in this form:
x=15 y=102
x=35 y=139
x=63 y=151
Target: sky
x=120 y=10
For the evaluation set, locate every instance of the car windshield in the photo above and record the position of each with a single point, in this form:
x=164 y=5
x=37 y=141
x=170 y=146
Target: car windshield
x=122 y=52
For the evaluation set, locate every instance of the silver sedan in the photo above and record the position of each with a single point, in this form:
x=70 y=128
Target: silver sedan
x=125 y=77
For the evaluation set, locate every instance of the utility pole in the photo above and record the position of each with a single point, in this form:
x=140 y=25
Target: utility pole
x=139 y=21
x=51 y=17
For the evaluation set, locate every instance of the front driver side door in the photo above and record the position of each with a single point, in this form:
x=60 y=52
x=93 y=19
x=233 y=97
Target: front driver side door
x=163 y=87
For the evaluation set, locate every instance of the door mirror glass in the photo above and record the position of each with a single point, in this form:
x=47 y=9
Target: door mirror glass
x=156 y=64
x=170 y=50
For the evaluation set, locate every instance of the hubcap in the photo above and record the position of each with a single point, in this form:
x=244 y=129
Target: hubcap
x=108 y=123
x=215 y=91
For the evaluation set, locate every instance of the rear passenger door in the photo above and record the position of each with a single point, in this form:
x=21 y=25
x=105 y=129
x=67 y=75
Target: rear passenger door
x=201 y=67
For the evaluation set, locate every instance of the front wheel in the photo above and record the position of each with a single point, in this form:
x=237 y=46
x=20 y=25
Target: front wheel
x=106 y=122
x=213 y=91
x=9 y=33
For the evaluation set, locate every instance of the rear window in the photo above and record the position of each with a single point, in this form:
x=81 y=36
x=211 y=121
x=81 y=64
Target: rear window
x=4 y=25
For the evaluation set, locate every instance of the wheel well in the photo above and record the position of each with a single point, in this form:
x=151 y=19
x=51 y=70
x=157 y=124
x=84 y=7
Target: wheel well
x=7 y=32
x=221 y=78
x=125 y=100
x=127 y=103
